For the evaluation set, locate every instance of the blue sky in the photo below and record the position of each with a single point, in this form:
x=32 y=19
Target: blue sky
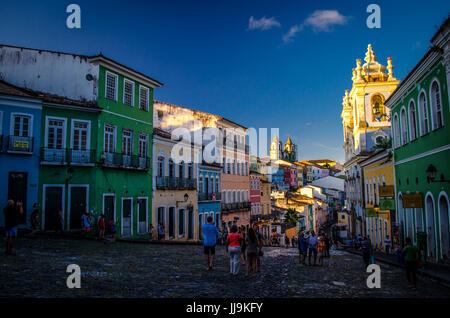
x=211 y=58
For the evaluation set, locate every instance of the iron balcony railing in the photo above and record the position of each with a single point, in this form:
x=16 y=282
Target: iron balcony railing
x=20 y=144
x=119 y=160
x=203 y=196
x=235 y=206
x=67 y=156
x=174 y=183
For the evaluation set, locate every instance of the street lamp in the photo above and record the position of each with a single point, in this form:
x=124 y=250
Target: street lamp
x=431 y=175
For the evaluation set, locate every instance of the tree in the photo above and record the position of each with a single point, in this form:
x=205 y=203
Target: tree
x=291 y=217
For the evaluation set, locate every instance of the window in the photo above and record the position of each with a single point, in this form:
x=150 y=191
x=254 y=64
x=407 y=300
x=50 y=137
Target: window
x=200 y=184
x=181 y=169
x=80 y=135
x=423 y=111
x=377 y=107
x=111 y=86
x=171 y=168
x=224 y=165
x=217 y=185
x=128 y=92
x=436 y=106
x=412 y=121
x=190 y=171
x=181 y=222
x=403 y=128
x=143 y=98
x=22 y=125
x=143 y=145
x=127 y=142
x=161 y=166
x=55 y=134
x=109 y=142
x=396 y=132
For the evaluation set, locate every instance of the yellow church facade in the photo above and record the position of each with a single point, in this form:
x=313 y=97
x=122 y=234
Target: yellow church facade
x=365 y=121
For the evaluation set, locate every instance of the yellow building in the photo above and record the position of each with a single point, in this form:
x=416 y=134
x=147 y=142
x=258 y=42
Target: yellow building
x=265 y=206
x=174 y=203
x=378 y=176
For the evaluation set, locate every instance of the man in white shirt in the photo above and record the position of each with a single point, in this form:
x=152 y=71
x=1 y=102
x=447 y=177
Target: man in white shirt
x=312 y=247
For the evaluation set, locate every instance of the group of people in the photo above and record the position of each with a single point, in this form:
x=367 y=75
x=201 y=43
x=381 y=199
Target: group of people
x=243 y=246
x=311 y=245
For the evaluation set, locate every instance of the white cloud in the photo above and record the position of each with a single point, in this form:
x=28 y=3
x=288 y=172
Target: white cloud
x=263 y=23
x=288 y=37
x=319 y=20
x=322 y=20
x=308 y=123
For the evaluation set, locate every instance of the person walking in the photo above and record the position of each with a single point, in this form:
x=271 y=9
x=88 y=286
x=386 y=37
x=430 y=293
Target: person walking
x=244 y=245
x=210 y=234
x=412 y=256
x=150 y=232
x=327 y=245
x=86 y=227
x=11 y=213
x=366 y=250
x=321 y=248
x=387 y=244
x=252 y=251
x=34 y=219
x=312 y=247
x=259 y=252
x=101 y=226
x=302 y=248
x=233 y=248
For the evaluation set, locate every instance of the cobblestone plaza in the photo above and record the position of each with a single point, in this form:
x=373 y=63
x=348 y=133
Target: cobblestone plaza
x=162 y=270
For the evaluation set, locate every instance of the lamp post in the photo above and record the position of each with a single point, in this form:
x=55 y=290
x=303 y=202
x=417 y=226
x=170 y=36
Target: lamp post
x=431 y=174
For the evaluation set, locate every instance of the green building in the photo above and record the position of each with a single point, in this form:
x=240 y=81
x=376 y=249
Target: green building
x=420 y=118
x=96 y=138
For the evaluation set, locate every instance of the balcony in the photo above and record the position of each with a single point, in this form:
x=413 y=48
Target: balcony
x=202 y=196
x=235 y=206
x=18 y=144
x=173 y=183
x=122 y=161
x=64 y=156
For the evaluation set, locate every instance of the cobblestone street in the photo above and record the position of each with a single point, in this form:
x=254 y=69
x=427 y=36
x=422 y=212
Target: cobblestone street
x=154 y=270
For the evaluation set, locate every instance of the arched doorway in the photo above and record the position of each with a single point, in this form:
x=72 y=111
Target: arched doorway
x=410 y=223
x=444 y=226
x=431 y=227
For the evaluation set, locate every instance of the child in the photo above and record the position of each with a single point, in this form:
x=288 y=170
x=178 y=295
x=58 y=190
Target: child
x=321 y=250
x=101 y=225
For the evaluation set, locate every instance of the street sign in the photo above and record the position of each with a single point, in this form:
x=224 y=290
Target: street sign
x=387 y=191
x=370 y=212
x=412 y=200
x=387 y=204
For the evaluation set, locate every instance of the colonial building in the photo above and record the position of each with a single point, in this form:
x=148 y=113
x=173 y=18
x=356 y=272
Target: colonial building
x=20 y=132
x=255 y=195
x=174 y=200
x=209 y=194
x=421 y=142
x=378 y=173
x=235 y=174
x=365 y=123
x=95 y=139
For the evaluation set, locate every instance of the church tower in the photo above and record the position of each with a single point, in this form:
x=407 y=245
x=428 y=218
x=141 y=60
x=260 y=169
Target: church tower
x=275 y=149
x=365 y=120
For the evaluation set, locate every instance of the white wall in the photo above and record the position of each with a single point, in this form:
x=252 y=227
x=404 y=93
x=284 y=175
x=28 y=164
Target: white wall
x=330 y=183
x=54 y=73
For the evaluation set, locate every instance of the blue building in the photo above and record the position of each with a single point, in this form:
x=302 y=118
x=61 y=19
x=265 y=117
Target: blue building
x=209 y=197
x=20 y=130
